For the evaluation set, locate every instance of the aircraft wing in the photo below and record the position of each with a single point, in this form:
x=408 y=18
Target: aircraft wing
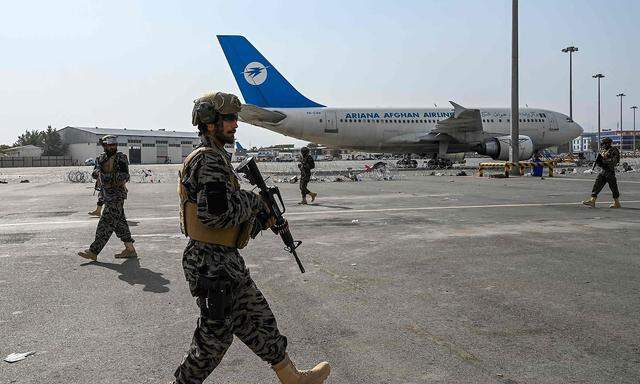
x=465 y=125
x=251 y=114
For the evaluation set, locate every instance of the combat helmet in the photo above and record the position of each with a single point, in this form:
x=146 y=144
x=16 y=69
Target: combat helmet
x=208 y=108
x=108 y=140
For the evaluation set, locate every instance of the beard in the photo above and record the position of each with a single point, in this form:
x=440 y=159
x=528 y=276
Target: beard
x=218 y=133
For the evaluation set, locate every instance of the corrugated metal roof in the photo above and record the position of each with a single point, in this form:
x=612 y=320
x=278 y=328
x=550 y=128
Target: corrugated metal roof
x=136 y=132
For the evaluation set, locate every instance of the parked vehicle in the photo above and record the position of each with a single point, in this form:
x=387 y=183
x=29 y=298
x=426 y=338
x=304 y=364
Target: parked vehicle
x=285 y=156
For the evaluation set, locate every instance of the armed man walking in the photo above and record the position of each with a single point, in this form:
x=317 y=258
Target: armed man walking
x=112 y=172
x=305 y=165
x=96 y=187
x=607 y=160
x=218 y=217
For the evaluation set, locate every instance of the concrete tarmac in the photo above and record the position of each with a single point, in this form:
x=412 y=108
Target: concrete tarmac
x=424 y=279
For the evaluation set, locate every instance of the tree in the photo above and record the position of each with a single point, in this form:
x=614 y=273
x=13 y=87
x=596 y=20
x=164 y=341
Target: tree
x=53 y=145
x=4 y=147
x=34 y=137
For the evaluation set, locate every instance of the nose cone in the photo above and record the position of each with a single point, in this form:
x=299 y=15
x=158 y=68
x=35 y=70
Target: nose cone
x=578 y=130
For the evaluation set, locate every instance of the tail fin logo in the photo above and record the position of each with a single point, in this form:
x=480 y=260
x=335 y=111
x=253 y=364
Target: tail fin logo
x=255 y=73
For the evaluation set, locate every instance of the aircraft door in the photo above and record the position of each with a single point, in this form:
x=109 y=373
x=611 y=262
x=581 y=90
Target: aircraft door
x=331 y=125
x=553 y=123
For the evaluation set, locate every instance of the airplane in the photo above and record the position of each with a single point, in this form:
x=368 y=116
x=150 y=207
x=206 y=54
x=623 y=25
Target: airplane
x=273 y=103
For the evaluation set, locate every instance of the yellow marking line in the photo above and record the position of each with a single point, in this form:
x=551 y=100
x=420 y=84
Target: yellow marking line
x=342 y=211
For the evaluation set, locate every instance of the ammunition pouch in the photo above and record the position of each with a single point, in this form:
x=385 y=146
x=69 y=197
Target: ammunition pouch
x=215 y=295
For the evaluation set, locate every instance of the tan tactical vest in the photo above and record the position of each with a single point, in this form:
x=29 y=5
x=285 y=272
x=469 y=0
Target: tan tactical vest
x=191 y=226
x=107 y=168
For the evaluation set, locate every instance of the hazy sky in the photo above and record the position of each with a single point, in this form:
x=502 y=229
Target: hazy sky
x=140 y=64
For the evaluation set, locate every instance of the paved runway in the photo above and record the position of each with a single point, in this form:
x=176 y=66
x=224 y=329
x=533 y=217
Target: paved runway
x=424 y=279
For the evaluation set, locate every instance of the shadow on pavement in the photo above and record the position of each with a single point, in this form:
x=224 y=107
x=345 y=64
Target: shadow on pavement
x=131 y=272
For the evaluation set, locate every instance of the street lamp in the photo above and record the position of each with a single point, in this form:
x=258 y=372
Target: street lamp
x=621 y=95
x=570 y=50
x=634 y=127
x=514 y=153
x=598 y=76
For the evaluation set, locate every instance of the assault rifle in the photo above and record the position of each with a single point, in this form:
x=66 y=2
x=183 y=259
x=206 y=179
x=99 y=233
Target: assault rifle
x=598 y=162
x=250 y=170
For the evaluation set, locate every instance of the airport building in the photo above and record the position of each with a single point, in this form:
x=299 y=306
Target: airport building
x=141 y=146
x=24 y=151
x=583 y=142
x=588 y=141
x=624 y=138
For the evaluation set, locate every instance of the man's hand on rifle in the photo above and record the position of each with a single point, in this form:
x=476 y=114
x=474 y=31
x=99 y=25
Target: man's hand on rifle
x=271 y=221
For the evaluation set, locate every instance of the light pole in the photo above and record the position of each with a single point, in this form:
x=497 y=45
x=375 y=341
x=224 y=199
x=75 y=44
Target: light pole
x=570 y=50
x=621 y=95
x=598 y=76
x=515 y=109
x=634 y=127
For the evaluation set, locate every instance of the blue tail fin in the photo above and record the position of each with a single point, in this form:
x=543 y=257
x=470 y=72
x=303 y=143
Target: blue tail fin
x=260 y=82
x=239 y=147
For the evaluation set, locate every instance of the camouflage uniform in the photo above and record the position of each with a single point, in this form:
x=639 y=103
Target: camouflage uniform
x=112 y=192
x=210 y=183
x=306 y=165
x=610 y=157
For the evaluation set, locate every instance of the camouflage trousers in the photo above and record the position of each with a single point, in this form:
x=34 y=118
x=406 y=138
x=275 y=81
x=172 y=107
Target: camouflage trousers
x=304 y=182
x=606 y=177
x=100 y=199
x=250 y=319
x=112 y=220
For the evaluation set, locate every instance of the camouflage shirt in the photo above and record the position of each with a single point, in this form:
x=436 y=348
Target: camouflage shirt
x=610 y=158
x=112 y=173
x=209 y=183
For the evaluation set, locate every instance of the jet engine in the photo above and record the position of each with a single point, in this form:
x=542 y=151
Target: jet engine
x=498 y=147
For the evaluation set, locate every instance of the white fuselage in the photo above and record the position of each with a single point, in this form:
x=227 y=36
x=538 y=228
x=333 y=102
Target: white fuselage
x=408 y=129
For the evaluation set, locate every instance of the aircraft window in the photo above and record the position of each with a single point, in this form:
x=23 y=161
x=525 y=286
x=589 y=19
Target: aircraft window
x=395 y=121
x=508 y=121
x=499 y=120
x=359 y=121
x=341 y=120
x=321 y=120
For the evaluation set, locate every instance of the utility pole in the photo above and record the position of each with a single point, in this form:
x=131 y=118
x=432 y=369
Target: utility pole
x=621 y=95
x=515 y=110
x=598 y=76
x=634 y=127
x=570 y=50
